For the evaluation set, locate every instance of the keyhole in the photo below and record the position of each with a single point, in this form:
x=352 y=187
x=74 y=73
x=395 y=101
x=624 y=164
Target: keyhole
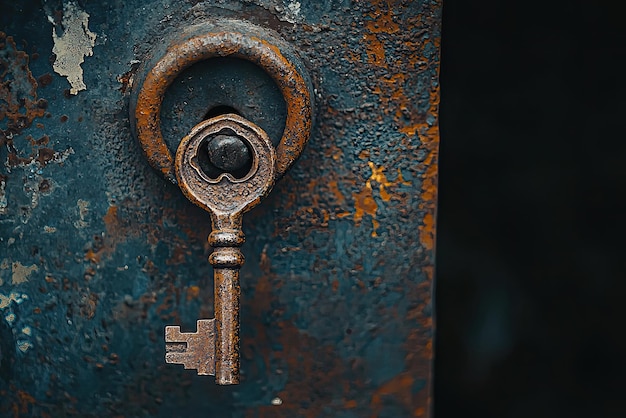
x=220 y=110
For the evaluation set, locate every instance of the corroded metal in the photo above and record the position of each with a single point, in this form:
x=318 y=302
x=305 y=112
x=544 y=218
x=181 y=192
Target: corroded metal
x=194 y=350
x=226 y=198
x=226 y=39
x=98 y=254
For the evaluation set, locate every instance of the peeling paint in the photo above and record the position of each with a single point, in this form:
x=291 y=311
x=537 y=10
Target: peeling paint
x=83 y=210
x=24 y=345
x=73 y=45
x=364 y=203
x=3 y=196
x=293 y=11
x=16 y=297
x=21 y=272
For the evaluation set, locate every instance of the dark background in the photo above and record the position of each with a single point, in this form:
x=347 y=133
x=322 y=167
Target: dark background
x=530 y=252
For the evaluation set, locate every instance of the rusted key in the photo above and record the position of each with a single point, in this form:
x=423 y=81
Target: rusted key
x=214 y=347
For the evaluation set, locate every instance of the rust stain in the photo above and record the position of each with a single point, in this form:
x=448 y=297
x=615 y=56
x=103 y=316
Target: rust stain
x=334 y=189
x=350 y=404
x=333 y=152
x=20 y=105
x=315 y=374
x=178 y=256
x=193 y=292
x=375 y=225
x=427 y=231
x=116 y=231
x=88 y=305
x=399 y=387
x=364 y=203
x=24 y=401
x=394 y=100
x=380 y=26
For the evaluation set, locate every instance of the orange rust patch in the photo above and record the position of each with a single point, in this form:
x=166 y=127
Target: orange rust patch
x=375 y=225
x=178 y=256
x=400 y=387
x=334 y=189
x=333 y=152
x=116 y=232
x=25 y=400
x=375 y=50
x=193 y=292
x=427 y=231
x=364 y=203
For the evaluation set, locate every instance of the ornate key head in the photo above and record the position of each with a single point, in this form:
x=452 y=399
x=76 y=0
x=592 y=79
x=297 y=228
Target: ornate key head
x=232 y=188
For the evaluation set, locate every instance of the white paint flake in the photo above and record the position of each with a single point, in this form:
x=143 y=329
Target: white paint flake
x=83 y=211
x=73 y=45
x=24 y=345
x=5 y=301
x=21 y=272
x=293 y=11
x=3 y=196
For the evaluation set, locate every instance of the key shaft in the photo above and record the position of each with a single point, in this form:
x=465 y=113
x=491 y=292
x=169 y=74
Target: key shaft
x=226 y=260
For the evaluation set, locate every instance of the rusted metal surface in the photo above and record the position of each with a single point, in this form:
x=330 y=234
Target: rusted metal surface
x=194 y=350
x=223 y=38
x=226 y=198
x=98 y=253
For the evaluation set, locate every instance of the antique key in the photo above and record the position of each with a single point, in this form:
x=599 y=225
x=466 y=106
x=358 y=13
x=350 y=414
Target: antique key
x=226 y=165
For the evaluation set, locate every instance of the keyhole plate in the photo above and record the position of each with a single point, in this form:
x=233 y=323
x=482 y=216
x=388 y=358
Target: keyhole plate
x=222 y=38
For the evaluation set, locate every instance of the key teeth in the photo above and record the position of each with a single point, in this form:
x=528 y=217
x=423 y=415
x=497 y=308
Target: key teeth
x=199 y=350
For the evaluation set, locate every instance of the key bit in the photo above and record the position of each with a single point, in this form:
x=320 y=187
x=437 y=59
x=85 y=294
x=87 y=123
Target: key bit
x=194 y=350
x=226 y=197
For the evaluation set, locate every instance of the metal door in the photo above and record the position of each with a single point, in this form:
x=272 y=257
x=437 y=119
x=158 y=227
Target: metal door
x=98 y=252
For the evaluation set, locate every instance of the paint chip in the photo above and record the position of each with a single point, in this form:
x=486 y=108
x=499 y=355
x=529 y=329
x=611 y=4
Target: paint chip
x=18 y=298
x=73 y=45
x=10 y=318
x=277 y=401
x=21 y=272
x=83 y=210
x=24 y=345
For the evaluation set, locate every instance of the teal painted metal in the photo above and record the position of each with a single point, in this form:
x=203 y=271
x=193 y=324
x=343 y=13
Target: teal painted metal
x=98 y=252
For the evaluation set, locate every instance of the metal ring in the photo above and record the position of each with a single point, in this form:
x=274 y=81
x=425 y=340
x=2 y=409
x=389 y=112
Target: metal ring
x=226 y=195
x=179 y=56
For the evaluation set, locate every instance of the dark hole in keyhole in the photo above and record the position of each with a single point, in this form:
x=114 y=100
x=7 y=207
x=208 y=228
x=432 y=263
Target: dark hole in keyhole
x=220 y=110
x=212 y=170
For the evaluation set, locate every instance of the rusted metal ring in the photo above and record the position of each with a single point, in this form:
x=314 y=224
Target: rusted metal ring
x=229 y=43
